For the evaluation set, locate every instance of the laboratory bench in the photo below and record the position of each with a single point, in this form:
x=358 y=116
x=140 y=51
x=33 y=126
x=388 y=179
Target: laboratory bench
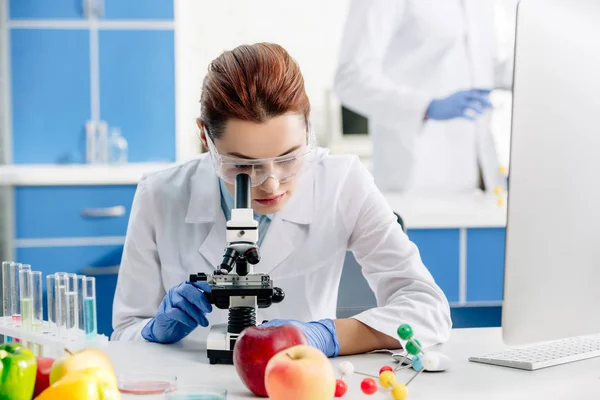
x=73 y=218
x=464 y=380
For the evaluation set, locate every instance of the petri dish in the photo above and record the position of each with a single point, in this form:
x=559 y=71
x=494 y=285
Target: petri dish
x=195 y=392
x=144 y=384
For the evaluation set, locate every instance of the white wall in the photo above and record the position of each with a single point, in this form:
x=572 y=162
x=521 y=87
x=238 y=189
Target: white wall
x=310 y=30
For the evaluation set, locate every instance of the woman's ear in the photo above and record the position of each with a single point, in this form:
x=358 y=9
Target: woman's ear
x=202 y=133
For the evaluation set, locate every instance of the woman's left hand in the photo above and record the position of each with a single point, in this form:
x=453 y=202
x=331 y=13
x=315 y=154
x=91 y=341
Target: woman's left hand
x=321 y=334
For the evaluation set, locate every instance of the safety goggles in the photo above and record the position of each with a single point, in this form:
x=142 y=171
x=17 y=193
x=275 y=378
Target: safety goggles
x=284 y=168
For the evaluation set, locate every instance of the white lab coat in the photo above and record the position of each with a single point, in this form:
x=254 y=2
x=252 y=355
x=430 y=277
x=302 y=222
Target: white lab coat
x=177 y=228
x=396 y=56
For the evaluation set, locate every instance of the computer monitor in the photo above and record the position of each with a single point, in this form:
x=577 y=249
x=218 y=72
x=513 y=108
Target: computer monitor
x=552 y=264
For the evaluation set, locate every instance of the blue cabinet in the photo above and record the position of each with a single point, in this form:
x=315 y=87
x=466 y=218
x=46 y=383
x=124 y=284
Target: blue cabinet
x=46 y=9
x=137 y=90
x=72 y=211
x=439 y=249
x=138 y=9
x=50 y=72
x=54 y=235
x=75 y=260
x=485 y=264
x=74 y=9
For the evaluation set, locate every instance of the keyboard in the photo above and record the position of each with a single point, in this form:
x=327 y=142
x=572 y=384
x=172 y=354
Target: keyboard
x=545 y=355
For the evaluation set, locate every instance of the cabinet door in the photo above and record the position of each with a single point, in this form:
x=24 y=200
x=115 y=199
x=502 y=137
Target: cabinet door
x=138 y=9
x=485 y=264
x=137 y=90
x=50 y=212
x=45 y=9
x=78 y=259
x=50 y=70
x=439 y=250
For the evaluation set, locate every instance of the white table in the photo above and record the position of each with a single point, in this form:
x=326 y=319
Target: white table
x=464 y=381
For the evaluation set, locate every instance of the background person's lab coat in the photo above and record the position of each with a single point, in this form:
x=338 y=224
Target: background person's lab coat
x=396 y=56
x=177 y=228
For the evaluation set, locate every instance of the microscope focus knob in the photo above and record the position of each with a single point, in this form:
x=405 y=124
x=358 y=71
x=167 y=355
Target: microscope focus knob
x=278 y=295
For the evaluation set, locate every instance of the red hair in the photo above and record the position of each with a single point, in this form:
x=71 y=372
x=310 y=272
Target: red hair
x=252 y=83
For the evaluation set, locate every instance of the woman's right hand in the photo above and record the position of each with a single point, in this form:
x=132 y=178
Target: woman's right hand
x=183 y=308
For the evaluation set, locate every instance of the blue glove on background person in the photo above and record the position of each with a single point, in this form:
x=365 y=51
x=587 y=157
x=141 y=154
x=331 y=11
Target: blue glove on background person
x=462 y=104
x=183 y=308
x=321 y=334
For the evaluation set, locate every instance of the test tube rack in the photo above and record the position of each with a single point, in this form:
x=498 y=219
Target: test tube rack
x=49 y=343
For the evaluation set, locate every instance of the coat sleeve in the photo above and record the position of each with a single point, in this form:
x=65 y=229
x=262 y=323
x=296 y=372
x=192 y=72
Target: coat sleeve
x=404 y=288
x=139 y=285
x=360 y=82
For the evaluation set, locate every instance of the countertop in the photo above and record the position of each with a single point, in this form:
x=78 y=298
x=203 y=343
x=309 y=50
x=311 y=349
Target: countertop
x=76 y=174
x=418 y=211
x=464 y=380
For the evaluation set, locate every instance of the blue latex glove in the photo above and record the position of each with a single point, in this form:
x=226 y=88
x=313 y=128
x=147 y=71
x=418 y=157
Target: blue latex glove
x=181 y=311
x=320 y=334
x=463 y=104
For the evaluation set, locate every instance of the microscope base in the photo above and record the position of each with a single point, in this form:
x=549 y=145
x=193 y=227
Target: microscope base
x=219 y=345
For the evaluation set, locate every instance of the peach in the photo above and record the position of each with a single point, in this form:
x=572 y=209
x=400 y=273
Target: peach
x=300 y=372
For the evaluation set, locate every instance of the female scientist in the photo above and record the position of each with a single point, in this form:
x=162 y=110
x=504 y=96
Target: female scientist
x=312 y=207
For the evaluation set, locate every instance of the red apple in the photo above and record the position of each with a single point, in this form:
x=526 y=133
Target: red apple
x=42 y=377
x=254 y=348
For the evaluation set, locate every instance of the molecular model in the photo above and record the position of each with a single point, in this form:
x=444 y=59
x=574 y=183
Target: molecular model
x=420 y=362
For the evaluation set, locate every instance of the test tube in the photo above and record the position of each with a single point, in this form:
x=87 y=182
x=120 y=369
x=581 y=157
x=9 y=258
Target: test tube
x=72 y=304
x=89 y=306
x=60 y=292
x=38 y=307
x=15 y=306
x=80 y=307
x=26 y=296
x=51 y=302
x=6 y=289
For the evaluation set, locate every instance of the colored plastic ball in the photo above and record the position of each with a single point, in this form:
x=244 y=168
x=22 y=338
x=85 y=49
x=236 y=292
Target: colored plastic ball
x=385 y=368
x=416 y=363
x=340 y=388
x=430 y=361
x=346 y=368
x=399 y=392
x=387 y=379
x=368 y=386
x=412 y=349
x=405 y=332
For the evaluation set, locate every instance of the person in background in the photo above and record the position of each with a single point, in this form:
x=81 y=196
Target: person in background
x=312 y=208
x=421 y=71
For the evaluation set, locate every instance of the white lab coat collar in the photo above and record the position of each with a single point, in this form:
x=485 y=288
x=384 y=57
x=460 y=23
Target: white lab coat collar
x=286 y=231
x=205 y=202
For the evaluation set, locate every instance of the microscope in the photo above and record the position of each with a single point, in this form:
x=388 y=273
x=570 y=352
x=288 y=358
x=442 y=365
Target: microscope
x=243 y=291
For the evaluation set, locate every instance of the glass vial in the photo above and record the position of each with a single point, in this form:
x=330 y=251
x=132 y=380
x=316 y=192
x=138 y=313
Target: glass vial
x=51 y=302
x=15 y=301
x=72 y=304
x=117 y=147
x=61 y=303
x=80 y=289
x=89 y=306
x=38 y=300
x=26 y=297
x=6 y=289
